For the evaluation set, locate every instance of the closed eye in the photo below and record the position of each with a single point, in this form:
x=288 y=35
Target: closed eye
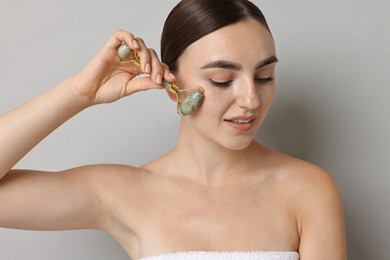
x=263 y=81
x=221 y=84
x=225 y=84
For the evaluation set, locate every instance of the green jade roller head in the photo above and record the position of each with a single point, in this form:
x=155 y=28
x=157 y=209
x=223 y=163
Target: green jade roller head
x=190 y=103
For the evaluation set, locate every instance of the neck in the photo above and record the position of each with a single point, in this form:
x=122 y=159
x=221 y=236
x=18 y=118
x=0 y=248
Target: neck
x=208 y=163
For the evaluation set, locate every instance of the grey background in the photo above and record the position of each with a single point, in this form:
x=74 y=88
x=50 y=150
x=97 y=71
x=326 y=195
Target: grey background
x=332 y=106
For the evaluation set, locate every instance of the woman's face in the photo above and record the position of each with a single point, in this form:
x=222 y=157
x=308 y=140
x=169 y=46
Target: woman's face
x=236 y=67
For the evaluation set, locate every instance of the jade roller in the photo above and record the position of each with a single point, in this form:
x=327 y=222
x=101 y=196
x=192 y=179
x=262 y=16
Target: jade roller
x=189 y=104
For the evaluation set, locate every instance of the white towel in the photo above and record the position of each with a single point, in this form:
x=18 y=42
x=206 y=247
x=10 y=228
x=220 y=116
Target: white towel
x=226 y=255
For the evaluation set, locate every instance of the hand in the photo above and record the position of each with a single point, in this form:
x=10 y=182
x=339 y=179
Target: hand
x=105 y=79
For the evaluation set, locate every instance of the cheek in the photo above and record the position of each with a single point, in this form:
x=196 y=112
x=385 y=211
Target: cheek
x=216 y=100
x=267 y=94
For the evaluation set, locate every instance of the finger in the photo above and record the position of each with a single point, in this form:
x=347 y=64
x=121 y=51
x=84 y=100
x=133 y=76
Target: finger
x=157 y=72
x=140 y=84
x=168 y=75
x=144 y=56
x=122 y=36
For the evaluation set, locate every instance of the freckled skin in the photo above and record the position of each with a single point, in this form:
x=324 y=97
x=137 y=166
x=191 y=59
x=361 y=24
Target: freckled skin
x=245 y=43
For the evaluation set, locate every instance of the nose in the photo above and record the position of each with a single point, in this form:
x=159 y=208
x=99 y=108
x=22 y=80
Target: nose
x=247 y=95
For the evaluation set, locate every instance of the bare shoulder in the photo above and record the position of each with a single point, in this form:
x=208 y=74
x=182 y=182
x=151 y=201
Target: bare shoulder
x=307 y=183
x=314 y=190
x=302 y=178
x=317 y=205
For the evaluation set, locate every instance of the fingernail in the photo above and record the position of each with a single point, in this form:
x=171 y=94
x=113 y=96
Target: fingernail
x=158 y=79
x=172 y=76
x=135 y=43
x=147 y=68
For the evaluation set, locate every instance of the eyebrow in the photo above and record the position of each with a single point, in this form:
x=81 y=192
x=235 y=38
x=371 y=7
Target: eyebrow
x=223 y=64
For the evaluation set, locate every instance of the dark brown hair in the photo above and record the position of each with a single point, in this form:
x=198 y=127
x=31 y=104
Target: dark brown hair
x=190 y=20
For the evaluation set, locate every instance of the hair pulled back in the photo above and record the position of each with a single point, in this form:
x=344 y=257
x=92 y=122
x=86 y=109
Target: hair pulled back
x=191 y=20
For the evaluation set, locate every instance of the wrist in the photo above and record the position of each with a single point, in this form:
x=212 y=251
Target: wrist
x=81 y=100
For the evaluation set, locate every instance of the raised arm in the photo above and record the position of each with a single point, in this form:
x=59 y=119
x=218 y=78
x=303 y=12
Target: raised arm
x=104 y=79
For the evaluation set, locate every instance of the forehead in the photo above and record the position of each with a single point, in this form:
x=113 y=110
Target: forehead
x=245 y=42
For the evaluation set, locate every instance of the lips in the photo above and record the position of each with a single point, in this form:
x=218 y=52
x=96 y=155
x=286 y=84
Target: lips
x=241 y=123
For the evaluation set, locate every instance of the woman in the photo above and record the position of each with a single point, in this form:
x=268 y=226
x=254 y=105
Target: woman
x=218 y=193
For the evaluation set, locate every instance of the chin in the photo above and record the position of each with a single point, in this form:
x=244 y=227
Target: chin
x=238 y=145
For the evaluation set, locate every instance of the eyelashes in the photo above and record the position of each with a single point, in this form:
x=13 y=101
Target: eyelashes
x=221 y=84
x=225 y=84
x=263 y=81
